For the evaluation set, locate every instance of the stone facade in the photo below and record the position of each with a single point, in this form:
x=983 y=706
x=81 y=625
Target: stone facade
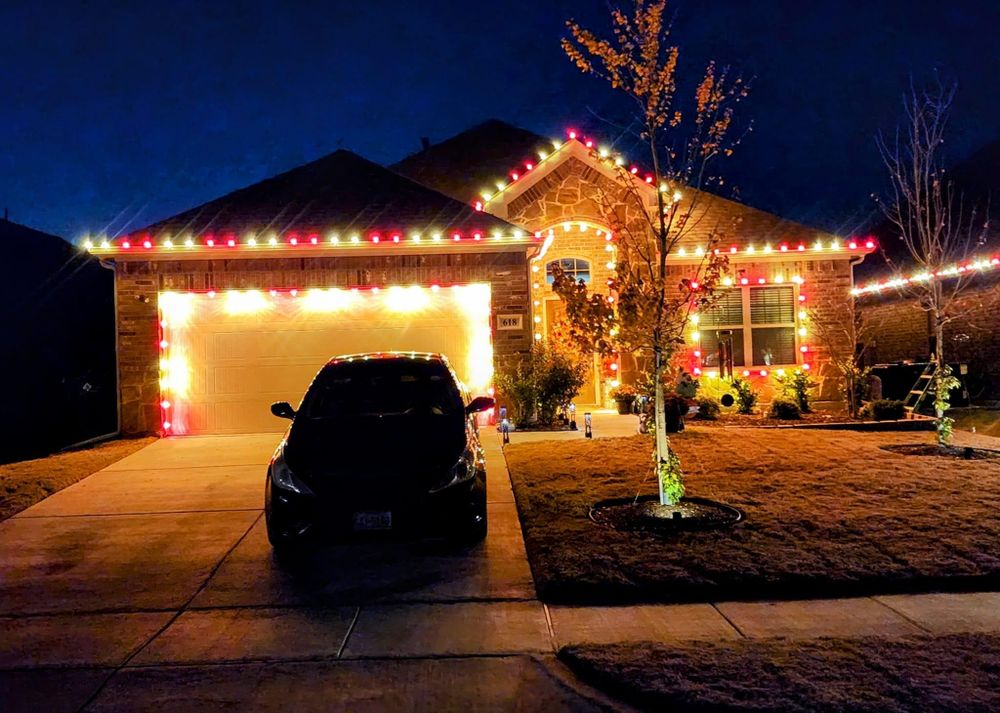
x=138 y=283
x=575 y=192
x=902 y=331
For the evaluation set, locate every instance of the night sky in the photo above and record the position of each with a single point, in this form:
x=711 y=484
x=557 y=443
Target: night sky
x=113 y=115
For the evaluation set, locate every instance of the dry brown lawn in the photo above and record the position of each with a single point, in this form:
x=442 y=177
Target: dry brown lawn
x=827 y=512
x=947 y=673
x=27 y=482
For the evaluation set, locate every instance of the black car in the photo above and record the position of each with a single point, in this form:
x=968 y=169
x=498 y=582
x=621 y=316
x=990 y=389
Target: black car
x=382 y=443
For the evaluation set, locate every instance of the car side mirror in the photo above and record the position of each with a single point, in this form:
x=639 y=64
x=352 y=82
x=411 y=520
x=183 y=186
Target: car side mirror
x=283 y=409
x=480 y=403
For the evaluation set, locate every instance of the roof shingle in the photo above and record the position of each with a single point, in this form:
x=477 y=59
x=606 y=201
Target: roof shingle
x=341 y=191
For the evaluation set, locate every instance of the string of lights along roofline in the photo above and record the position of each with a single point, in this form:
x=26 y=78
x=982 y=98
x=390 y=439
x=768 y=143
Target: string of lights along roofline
x=105 y=246
x=297 y=240
x=976 y=266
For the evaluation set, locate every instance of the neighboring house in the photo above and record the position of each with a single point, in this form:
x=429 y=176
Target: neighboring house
x=235 y=304
x=58 y=355
x=900 y=330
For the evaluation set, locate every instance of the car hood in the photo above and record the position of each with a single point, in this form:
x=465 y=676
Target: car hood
x=318 y=449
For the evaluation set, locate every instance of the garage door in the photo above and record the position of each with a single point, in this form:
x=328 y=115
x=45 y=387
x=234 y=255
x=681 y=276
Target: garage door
x=227 y=356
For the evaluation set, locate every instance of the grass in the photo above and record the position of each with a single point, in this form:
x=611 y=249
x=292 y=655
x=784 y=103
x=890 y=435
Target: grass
x=958 y=672
x=27 y=482
x=979 y=420
x=827 y=513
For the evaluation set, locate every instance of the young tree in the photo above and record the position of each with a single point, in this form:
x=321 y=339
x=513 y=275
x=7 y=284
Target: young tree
x=931 y=217
x=846 y=343
x=648 y=305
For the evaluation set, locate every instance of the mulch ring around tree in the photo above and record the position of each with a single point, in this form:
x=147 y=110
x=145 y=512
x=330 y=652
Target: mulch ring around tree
x=931 y=449
x=645 y=514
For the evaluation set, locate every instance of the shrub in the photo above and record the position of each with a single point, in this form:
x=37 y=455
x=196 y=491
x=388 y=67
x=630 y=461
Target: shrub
x=559 y=381
x=795 y=386
x=885 y=410
x=785 y=409
x=624 y=392
x=539 y=383
x=713 y=388
x=708 y=408
x=686 y=386
x=746 y=397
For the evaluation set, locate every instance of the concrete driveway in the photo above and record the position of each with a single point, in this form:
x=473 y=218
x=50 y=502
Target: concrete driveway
x=151 y=584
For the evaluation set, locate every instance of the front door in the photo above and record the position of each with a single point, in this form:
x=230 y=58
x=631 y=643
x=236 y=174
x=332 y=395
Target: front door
x=555 y=312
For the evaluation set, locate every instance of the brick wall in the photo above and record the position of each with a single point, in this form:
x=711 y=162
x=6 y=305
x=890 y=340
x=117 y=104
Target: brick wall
x=139 y=282
x=902 y=331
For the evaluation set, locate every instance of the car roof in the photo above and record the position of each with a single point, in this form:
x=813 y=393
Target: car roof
x=391 y=355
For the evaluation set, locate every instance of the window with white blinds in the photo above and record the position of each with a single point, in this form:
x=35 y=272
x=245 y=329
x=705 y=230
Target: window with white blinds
x=727 y=311
x=761 y=321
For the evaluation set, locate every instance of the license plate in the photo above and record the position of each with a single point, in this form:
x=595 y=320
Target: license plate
x=373 y=521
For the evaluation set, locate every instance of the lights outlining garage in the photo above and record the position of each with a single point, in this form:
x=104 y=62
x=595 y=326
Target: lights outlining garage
x=468 y=305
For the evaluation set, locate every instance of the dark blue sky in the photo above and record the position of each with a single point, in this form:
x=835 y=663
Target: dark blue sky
x=116 y=114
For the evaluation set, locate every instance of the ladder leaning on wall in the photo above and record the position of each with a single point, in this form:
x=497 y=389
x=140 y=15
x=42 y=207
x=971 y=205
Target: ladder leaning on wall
x=924 y=386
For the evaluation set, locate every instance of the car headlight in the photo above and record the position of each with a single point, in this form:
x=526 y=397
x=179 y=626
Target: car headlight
x=463 y=470
x=282 y=475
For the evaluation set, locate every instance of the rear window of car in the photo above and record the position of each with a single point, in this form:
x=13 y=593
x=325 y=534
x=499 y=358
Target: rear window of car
x=383 y=387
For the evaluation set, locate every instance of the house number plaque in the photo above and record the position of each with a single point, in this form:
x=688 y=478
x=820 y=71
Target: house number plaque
x=509 y=321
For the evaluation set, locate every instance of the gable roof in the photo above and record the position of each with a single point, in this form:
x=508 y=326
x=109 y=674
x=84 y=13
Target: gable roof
x=741 y=225
x=465 y=164
x=340 y=191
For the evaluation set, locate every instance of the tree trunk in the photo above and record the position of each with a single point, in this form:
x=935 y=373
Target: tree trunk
x=660 y=426
x=938 y=350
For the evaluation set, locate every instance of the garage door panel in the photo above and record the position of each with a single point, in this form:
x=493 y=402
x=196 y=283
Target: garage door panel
x=268 y=380
x=236 y=365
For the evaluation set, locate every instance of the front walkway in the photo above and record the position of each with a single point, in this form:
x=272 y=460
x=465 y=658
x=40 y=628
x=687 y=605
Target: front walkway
x=151 y=584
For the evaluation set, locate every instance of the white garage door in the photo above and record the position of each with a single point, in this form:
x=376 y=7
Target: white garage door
x=227 y=356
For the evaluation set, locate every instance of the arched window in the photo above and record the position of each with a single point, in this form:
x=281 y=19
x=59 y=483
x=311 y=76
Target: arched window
x=573 y=267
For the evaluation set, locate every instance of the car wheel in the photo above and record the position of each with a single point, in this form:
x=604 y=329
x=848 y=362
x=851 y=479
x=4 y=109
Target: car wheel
x=474 y=526
x=285 y=542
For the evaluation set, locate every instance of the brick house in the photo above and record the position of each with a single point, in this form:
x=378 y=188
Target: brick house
x=900 y=330
x=235 y=304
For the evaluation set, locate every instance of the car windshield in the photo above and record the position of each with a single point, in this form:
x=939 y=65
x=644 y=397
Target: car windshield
x=383 y=387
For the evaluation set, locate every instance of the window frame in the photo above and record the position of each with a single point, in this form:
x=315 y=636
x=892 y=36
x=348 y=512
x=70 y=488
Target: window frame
x=748 y=326
x=576 y=270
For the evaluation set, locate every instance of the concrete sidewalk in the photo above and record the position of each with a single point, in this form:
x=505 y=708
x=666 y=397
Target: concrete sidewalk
x=151 y=584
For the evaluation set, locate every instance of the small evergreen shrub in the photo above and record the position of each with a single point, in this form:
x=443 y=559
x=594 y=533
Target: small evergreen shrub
x=885 y=410
x=784 y=409
x=709 y=408
x=746 y=397
x=624 y=392
x=795 y=386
